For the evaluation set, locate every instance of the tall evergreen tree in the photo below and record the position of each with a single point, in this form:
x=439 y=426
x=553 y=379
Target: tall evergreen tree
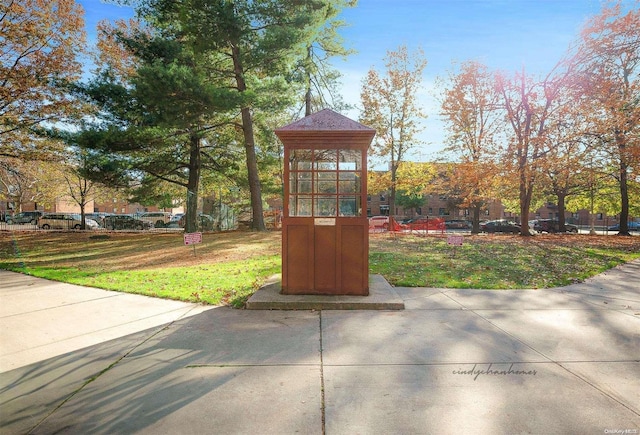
x=250 y=46
x=162 y=121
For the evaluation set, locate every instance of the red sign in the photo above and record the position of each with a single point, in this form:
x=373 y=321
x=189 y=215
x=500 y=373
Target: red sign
x=455 y=240
x=192 y=238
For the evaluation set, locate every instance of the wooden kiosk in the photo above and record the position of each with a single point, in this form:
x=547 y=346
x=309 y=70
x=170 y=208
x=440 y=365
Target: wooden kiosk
x=325 y=230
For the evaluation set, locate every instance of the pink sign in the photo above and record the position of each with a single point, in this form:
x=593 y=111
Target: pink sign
x=192 y=238
x=455 y=240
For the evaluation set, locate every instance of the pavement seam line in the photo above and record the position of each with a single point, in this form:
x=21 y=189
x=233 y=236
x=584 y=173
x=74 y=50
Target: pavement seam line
x=111 y=327
x=595 y=387
x=322 y=396
x=399 y=364
x=96 y=376
x=556 y=363
x=61 y=306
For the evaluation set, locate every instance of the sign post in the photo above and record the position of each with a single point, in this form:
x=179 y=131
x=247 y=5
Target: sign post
x=192 y=239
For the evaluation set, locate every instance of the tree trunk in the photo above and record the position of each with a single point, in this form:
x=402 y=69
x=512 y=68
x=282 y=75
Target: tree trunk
x=476 y=218
x=193 y=185
x=624 y=201
x=250 y=149
x=252 y=170
x=392 y=192
x=307 y=95
x=526 y=188
x=561 y=211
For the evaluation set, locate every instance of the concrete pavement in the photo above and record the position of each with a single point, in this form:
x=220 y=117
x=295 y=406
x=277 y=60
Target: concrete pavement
x=564 y=360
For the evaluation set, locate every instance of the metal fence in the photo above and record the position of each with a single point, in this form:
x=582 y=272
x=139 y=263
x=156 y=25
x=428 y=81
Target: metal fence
x=116 y=222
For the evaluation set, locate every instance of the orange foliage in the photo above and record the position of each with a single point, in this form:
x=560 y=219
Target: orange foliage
x=41 y=40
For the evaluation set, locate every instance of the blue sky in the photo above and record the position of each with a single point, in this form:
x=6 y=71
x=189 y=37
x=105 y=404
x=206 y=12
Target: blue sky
x=502 y=34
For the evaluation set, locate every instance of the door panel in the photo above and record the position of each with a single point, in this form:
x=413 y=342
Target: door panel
x=354 y=262
x=325 y=259
x=297 y=273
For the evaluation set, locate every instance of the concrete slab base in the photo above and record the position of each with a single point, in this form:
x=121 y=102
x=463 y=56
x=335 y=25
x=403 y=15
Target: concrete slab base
x=381 y=297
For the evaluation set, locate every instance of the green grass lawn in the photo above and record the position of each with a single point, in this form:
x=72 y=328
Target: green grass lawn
x=228 y=267
x=499 y=262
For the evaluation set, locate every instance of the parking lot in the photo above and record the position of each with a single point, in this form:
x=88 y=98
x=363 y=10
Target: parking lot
x=30 y=227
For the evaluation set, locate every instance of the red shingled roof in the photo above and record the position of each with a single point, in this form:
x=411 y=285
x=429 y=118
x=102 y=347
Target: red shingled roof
x=325 y=119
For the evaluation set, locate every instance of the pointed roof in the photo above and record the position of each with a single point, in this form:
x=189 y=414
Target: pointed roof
x=325 y=120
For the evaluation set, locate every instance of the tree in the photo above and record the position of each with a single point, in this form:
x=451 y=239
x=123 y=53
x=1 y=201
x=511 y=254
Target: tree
x=608 y=66
x=390 y=107
x=40 y=43
x=597 y=191
x=530 y=108
x=414 y=182
x=164 y=120
x=23 y=182
x=251 y=45
x=320 y=80
x=471 y=111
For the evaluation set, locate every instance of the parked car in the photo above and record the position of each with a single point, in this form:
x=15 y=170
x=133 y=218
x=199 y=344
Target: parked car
x=175 y=220
x=25 y=217
x=125 y=222
x=379 y=222
x=458 y=224
x=98 y=217
x=205 y=222
x=159 y=219
x=64 y=221
x=552 y=226
x=500 y=226
x=633 y=226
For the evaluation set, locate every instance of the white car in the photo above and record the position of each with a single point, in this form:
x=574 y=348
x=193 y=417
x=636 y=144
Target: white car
x=379 y=222
x=159 y=219
x=64 y=221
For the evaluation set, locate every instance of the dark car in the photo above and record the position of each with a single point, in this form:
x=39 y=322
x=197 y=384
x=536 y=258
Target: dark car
x=26 y=217
x=457 y=224
x=125 y=222
x=553 y=226
x=500 y=226
x=633 y=226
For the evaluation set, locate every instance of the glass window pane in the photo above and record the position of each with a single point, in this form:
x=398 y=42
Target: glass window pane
x=300 y=182
x=325 y=206
x=300 y=160
x=326 y=160
x=349 y=206
x=326 y=183
x=349 y=182
x=299 y=205
x=350 y=160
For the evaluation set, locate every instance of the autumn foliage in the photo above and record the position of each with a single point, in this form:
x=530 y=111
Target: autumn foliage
x=41 y=42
